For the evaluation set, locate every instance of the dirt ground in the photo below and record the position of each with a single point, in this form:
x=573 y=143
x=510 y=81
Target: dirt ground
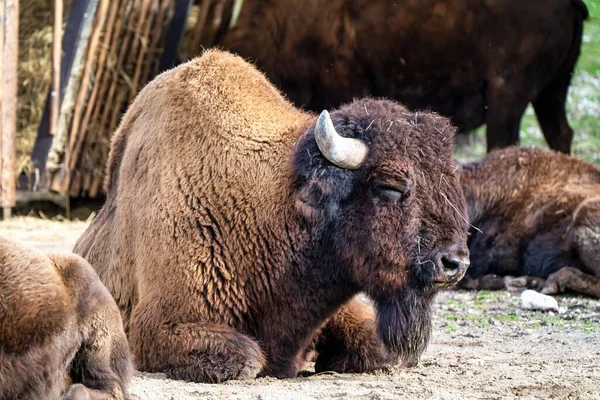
x=483 y=347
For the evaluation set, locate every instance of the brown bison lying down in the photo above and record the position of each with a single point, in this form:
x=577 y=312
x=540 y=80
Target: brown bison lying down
x=539 y=216
x=474 y=61
x=59 y=329
x=235 y=225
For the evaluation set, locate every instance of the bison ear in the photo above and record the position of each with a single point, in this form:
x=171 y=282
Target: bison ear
x=319 y=196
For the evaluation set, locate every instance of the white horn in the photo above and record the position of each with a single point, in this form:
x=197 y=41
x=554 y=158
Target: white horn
x=344 y=152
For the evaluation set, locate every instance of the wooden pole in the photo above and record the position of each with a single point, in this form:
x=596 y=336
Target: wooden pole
x=2 y=9
x=75 y=37
x=158 y=30
x=148 y=8
x=56 y=56
x=101 y=67
x=9 y=106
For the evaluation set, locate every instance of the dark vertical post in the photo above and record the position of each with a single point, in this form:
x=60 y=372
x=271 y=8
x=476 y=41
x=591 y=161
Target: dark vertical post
x=81 y=12
x=176 y=31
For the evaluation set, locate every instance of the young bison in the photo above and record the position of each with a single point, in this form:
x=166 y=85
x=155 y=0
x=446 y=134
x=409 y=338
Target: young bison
x=60 y=330
x=539 y=216
x=235 y=225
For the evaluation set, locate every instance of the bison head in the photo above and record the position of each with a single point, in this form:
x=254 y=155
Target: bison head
x=380 y=184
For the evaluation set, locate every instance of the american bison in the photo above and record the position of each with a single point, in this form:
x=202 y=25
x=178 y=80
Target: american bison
x=61 y=334
x=235 y=225
x=474 y=61
x=538 y=215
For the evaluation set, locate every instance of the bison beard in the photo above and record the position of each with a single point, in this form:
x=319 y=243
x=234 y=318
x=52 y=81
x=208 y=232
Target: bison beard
x=404 y=323
x=237 y=225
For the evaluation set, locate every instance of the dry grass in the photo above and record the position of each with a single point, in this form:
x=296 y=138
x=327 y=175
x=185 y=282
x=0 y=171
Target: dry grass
x=55 y=234
x=35 y=69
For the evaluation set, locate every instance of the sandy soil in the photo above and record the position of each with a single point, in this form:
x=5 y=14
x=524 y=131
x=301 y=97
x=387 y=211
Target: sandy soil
x=483 y=347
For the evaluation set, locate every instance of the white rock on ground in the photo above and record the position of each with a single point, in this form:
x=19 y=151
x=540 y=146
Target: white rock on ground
x=532 y=300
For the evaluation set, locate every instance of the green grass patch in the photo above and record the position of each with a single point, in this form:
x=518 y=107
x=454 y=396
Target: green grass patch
x=485 y=296
x=448 y=316
x=590 y=326
x=507 y=318
x=590 y=50
x=452 y=327
x=455 y=304
x=535 y=324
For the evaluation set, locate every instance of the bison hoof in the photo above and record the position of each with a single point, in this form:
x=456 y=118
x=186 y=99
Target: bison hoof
x=558 y=281
x=366 y=354
x=240 y=359
x=550 y=288
x=76 y=392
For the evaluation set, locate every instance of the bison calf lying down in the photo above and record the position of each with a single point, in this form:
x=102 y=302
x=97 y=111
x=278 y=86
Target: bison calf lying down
x=59 y=329
x=235 y=225
x=539 y=216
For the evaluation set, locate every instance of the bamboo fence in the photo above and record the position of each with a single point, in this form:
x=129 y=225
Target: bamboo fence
x=121 y=45
x=121 y=55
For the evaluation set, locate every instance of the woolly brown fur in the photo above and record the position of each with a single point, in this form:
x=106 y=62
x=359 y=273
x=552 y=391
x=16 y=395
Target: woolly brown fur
x=539 y=213
x=476 y=62
x=61 y=334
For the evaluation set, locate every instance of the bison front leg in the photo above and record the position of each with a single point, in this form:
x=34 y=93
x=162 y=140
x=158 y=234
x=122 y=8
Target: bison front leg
x=486 y=282
x=102 y=367
x=572 y=279
x=80 y=392
x=194 y=351
x=496 y=282
x=349 y=341
x=584 y=239
x=506 y=105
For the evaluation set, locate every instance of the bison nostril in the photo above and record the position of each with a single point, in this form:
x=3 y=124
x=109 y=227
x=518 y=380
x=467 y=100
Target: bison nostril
x=453 y=266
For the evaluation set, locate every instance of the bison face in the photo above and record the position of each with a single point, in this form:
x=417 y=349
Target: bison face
x=383 y=186
x=394 y=215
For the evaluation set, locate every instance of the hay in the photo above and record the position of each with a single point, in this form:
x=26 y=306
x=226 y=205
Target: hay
x=35 y=70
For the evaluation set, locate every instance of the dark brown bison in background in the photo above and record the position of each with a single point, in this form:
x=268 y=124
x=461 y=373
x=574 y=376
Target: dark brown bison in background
x=474 y=61
x=539 y=215
x=60 y=330
x=235 y=225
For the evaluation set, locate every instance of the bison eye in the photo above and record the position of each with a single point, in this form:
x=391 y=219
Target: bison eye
x=391 y=192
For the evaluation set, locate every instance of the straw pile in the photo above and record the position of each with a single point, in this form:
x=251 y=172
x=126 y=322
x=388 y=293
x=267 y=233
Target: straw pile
x=34 y=73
